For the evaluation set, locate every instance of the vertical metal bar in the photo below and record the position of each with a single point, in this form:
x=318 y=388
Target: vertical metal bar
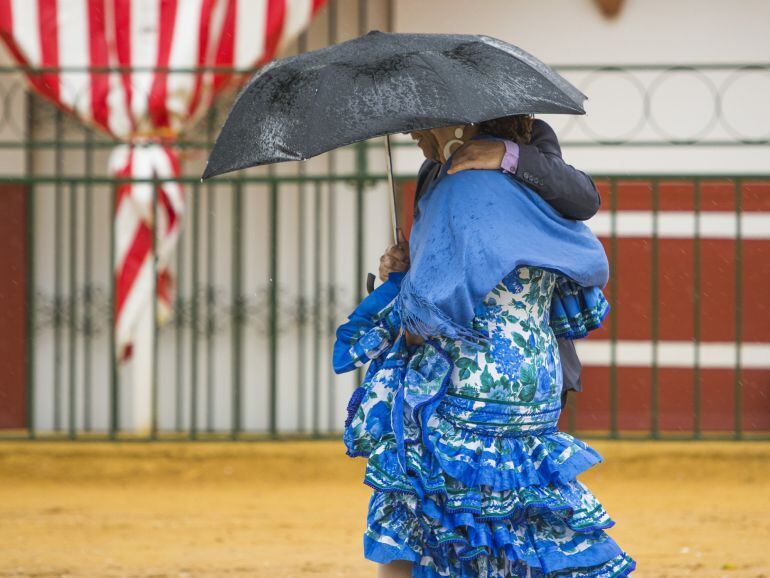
x=363 y=16
x=302 y=308
x=57 y=299
x=179 y=338
x=237 y=316
x=696 y=313
x=613 y=259
x=88 y=276
x=154 y=376
x=316 y=304
x=737 y=382
x=301 y=304
x=210 y=294
x=273 y=392
x=73 y=310
x=114 y=426
x=331 y=305
x=361 y=172
x=654 y=329
x=210 y=304
x=30 y=258
x=196 y=227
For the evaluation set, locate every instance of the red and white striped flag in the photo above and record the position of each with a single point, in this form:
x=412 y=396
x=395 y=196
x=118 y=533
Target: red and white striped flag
x=112 y=65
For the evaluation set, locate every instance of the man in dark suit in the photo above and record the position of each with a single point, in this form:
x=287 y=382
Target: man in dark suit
x=540 y=166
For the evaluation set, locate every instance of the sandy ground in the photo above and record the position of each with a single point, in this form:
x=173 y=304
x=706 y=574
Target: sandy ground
x=296 y=509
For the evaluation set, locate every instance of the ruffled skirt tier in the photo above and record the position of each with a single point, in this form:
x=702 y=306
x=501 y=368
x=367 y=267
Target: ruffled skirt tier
x=492 y=496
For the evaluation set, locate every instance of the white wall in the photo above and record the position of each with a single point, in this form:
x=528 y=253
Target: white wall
x=664 y=32
x=575 y=32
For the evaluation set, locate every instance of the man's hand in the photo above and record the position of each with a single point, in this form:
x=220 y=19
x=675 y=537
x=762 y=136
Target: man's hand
x=396 y=258
x=477 y=154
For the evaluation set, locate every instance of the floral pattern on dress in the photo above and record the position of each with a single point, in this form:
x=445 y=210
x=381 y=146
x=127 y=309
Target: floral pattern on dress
x=521 y=361
x=471 y=476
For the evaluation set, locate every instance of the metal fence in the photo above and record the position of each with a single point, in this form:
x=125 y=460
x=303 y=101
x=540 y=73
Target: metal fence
x=271 y=260
x=232 y=304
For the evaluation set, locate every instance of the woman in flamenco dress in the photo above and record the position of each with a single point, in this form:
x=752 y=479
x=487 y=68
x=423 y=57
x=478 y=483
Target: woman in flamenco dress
x=457 y=413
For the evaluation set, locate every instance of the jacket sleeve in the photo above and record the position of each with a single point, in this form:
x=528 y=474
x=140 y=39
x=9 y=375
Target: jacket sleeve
x=570 y=365
x=541 y=167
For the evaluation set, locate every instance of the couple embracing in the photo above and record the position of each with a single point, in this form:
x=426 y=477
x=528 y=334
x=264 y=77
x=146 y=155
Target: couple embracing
x=470 y=344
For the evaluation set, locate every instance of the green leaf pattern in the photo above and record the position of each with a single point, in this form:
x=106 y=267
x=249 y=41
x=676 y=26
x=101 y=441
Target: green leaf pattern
x=521 y=362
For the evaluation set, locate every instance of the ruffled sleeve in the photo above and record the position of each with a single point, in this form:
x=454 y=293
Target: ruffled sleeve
x=370 y=330
x=576 y=310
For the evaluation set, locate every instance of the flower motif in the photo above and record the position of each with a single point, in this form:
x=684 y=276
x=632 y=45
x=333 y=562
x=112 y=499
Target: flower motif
x=544 y=379
x=507 y=355
x=512 y=282
x=378 y=419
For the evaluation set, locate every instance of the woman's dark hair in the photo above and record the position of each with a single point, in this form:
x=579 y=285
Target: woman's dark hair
x=517 y=127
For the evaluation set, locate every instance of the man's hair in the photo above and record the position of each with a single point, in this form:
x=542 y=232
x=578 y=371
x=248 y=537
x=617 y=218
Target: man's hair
x=517 y=127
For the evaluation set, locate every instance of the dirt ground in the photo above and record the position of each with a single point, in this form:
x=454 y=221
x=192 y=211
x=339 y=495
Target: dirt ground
x=296 y=509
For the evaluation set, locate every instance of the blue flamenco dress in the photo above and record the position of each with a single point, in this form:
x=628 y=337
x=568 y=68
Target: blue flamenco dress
x=471 y=476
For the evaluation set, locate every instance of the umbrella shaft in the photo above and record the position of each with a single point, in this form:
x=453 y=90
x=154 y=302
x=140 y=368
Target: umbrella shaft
x=392 y=185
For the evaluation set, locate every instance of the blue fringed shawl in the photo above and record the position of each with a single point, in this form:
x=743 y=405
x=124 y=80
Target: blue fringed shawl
x=475 y=227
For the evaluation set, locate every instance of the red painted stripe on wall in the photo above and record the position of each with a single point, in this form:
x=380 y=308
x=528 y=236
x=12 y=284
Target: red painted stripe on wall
x=676 y=387
x=631 y=278
x=13 y=306
x=679 y=195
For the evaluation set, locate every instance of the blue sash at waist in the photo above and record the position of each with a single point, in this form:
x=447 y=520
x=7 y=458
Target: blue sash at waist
x=499 y=418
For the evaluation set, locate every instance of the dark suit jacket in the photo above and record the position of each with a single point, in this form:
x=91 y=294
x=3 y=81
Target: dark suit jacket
x=568 y=190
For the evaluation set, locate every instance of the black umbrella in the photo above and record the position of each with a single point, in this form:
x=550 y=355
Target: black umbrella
x=380 y=84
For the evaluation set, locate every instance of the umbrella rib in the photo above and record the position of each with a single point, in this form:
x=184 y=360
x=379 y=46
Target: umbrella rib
x=421 y=55
x=494 y=44
x=441 y=78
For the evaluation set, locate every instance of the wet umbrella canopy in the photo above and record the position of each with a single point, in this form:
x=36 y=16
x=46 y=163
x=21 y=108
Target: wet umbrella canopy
x=379 y=84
